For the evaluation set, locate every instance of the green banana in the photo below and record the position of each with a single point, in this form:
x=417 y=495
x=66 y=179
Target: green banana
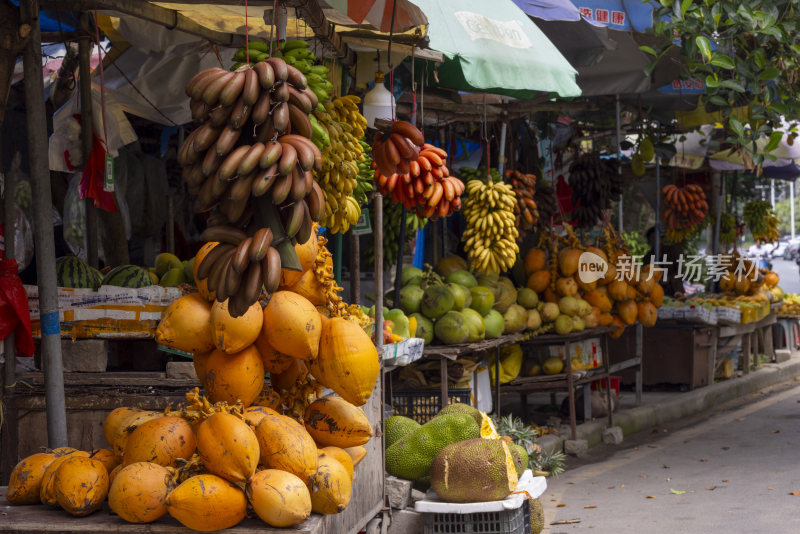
x=293 y=45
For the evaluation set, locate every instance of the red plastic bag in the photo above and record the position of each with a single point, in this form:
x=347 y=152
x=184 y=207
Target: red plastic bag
x=93 y=178
x=14 y=314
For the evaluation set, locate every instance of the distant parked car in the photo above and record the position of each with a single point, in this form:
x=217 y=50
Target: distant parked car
x=792 y=248
x=780 y=250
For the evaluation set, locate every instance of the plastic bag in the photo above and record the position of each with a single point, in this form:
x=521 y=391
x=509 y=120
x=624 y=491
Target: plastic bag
x=74 y=220
x=14 y=314
x=510 y=363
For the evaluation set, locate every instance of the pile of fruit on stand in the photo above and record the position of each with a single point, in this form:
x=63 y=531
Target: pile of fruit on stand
x=277 y=447
x=168 y=271
x=461 y=456
x=790 y=306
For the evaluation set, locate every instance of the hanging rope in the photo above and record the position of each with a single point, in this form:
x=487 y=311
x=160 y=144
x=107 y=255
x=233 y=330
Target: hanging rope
x=246 y=35
x=389 y=57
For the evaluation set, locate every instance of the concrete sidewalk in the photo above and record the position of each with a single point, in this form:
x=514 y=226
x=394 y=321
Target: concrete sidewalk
x=668 y=407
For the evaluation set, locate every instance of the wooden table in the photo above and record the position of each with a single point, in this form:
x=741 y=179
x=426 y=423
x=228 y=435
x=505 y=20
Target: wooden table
x=567 y=381
x=41 y=518
x=762 y=330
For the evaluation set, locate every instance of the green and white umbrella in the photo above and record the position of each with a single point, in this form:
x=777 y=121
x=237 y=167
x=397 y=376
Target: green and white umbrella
x=493 y=47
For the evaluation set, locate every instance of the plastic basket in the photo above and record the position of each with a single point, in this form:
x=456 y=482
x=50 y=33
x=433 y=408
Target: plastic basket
x=515 y=521
x=422 y=405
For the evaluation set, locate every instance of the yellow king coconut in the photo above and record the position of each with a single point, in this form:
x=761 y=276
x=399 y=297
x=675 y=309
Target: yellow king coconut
x=139 y=491
x=207 y=503
x=186 y=325
x=279 y=498
x=228 y=447
x=25 y=482
x=81 y=485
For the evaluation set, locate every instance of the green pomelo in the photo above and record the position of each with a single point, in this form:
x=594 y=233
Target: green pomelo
x=494 y=323
x=563 y=324
x=411 y=298
x=424 y=327
x=411 y=275
x=482 y=299
x=172 y=278
x=451 y=329
x=462 y=277
x=474 y=321
x=166 y=262
x=515 y=319
x=550 y=312
x=461 y=296
x=569 y=306
x=527 y=298
x=436 y=301
x=451 y=264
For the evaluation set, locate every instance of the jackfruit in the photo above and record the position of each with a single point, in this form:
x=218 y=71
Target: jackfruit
x=520 y=456
x=537 y=516
x=458 y=407
x=475 y=470
x=411 y=457
x=398 y=427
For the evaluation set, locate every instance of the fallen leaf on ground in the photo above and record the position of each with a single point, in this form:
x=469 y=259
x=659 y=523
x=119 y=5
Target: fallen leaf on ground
x=622 y=485
x=668 y=479
x=652 y=446
x=703 y=459
x=725 y=448
x=724 y=480
x=651 y=496
x=742 y=418
x=712 y=488
x=589 y=506
x=771 y=489
x=676 y=492
x=642 y=476
x=776 y=431
x=560 y=505
x=794 y=493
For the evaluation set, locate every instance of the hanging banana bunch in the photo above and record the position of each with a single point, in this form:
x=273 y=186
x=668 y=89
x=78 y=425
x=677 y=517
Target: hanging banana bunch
x=337 y=131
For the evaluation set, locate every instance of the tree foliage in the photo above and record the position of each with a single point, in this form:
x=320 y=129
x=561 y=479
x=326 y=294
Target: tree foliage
x=747 y=53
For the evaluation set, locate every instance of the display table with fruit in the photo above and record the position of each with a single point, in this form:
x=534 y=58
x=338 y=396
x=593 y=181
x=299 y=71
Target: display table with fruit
x=568 y=380
x=43 y=518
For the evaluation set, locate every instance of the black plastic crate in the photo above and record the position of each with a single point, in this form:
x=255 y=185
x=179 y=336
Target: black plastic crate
x=422 y=404
x=506 y=522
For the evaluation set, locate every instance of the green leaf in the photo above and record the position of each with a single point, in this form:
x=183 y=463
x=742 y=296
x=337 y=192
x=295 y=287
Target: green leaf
x=648 y=50
x=760 y=59
x=732 y=85
x=718 y=101
x=711 y=81
x=650 y=67
x=676 y=492
x=769 y=74
x=703 y=45
x=736 y=126
x=773 y=31
x=774 y=140
x=666 y=3
x=685 y=6
x=722 y=61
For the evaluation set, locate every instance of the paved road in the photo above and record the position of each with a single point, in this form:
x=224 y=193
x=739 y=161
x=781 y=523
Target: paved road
x=789 y=273
x=731 y=473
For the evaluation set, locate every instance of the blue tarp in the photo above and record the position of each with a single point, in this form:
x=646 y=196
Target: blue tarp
x=55 y=21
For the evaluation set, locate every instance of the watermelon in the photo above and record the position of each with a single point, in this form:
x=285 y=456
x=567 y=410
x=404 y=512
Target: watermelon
x=128 y=276
x=72 y=271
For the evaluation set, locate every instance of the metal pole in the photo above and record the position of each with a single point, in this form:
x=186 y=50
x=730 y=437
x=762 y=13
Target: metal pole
x=791 y=204
x=84 y=51
x=718 y=222
x=337 y=258
x=658 y=209
x=501 y=158
x=772 y=192
x=43 y=230
x=619 y=163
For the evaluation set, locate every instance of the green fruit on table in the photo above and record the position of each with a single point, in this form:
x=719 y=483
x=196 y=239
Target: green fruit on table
x=166 y=261
x=398 y=427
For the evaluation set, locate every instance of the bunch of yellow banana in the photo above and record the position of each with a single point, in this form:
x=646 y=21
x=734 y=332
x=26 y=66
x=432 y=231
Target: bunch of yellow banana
x=490 y=239
x=341 y=126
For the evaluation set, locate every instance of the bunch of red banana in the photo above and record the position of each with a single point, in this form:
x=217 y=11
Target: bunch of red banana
x=428 y=189
x=394 y=151
x=686 y=207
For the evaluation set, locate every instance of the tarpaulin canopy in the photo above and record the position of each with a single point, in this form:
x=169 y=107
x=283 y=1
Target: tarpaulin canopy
x=494 y=47
x=602 y=38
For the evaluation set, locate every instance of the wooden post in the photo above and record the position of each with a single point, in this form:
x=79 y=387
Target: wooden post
x=84 y=51
x=10 y=430
x=43 y=230
x=571 y=391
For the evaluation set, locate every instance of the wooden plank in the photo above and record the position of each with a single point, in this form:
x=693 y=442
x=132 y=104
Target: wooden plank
x=114 y=379
x=40 y=518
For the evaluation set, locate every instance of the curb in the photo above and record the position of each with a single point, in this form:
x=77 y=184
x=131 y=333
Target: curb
x=684 y=405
